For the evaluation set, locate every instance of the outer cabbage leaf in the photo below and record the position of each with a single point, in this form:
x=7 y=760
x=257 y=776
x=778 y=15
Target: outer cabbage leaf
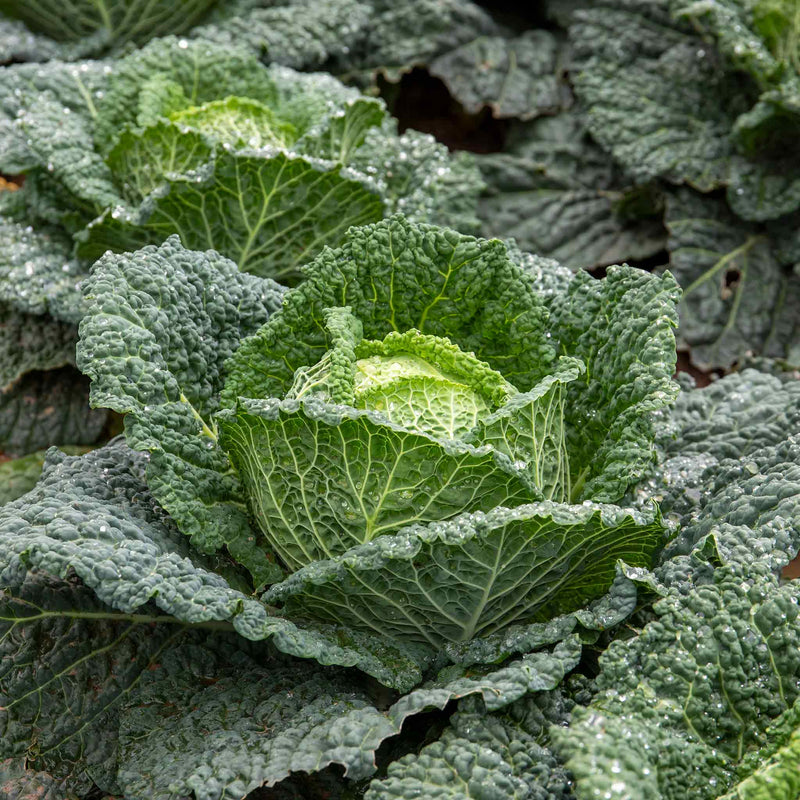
x=739 y=299
x=299 y=35
x=506 y=750
x=17 y=43
x=633 y=50
x=558 y=194
x=142 y=705
x=760 y=38
x=160 y=325
x=48 y=407
x=514 y=77
x=691 y=694
x=732 y=418
x=622 y=329
x=109 y=21
x=750 y=511
x=20 y=475
x=422 y=180
x=399 y=37
x=702 y=685
x=30 y=342
x=475 y=575
x=772 y=771
x=38 y=274
x=268 y=212
x=94 y=517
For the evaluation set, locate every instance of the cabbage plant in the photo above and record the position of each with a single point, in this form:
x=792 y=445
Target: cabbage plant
x=454 y=450
x=263 y=164
x=427 y=447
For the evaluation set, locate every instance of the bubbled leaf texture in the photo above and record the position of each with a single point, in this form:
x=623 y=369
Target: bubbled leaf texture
x=396 y=275
x=160 y=325
x=95 y=517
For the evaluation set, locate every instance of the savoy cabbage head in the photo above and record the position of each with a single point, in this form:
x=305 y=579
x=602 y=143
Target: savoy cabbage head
x=263 y=164
x=417 y=432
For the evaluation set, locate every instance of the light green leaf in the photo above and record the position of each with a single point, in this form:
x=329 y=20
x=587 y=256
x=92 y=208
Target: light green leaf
x=143 y=160
x=322 y=478
x=204 y=72
x=474 y=575
x=529 y=429
x=267 y=213
x=160 y=324
x=237 y=122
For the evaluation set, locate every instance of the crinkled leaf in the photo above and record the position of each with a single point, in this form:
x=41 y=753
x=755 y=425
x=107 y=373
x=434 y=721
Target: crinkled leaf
x=558 y=194
x=505 y=750
x=691 y=694
x=401 y=36
x=512 y=566
x=20 y=475
x=60 y=140
x=17 y=43
x=634 y=50
x=420 y=178
x=31 y=342
x=734 y=417
x=48 y=407
x=94 y=517
x=37 y=272
x=622 y=329
x=750 y=508
x=160 y=325
x=771 y=773
x=302 y=38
